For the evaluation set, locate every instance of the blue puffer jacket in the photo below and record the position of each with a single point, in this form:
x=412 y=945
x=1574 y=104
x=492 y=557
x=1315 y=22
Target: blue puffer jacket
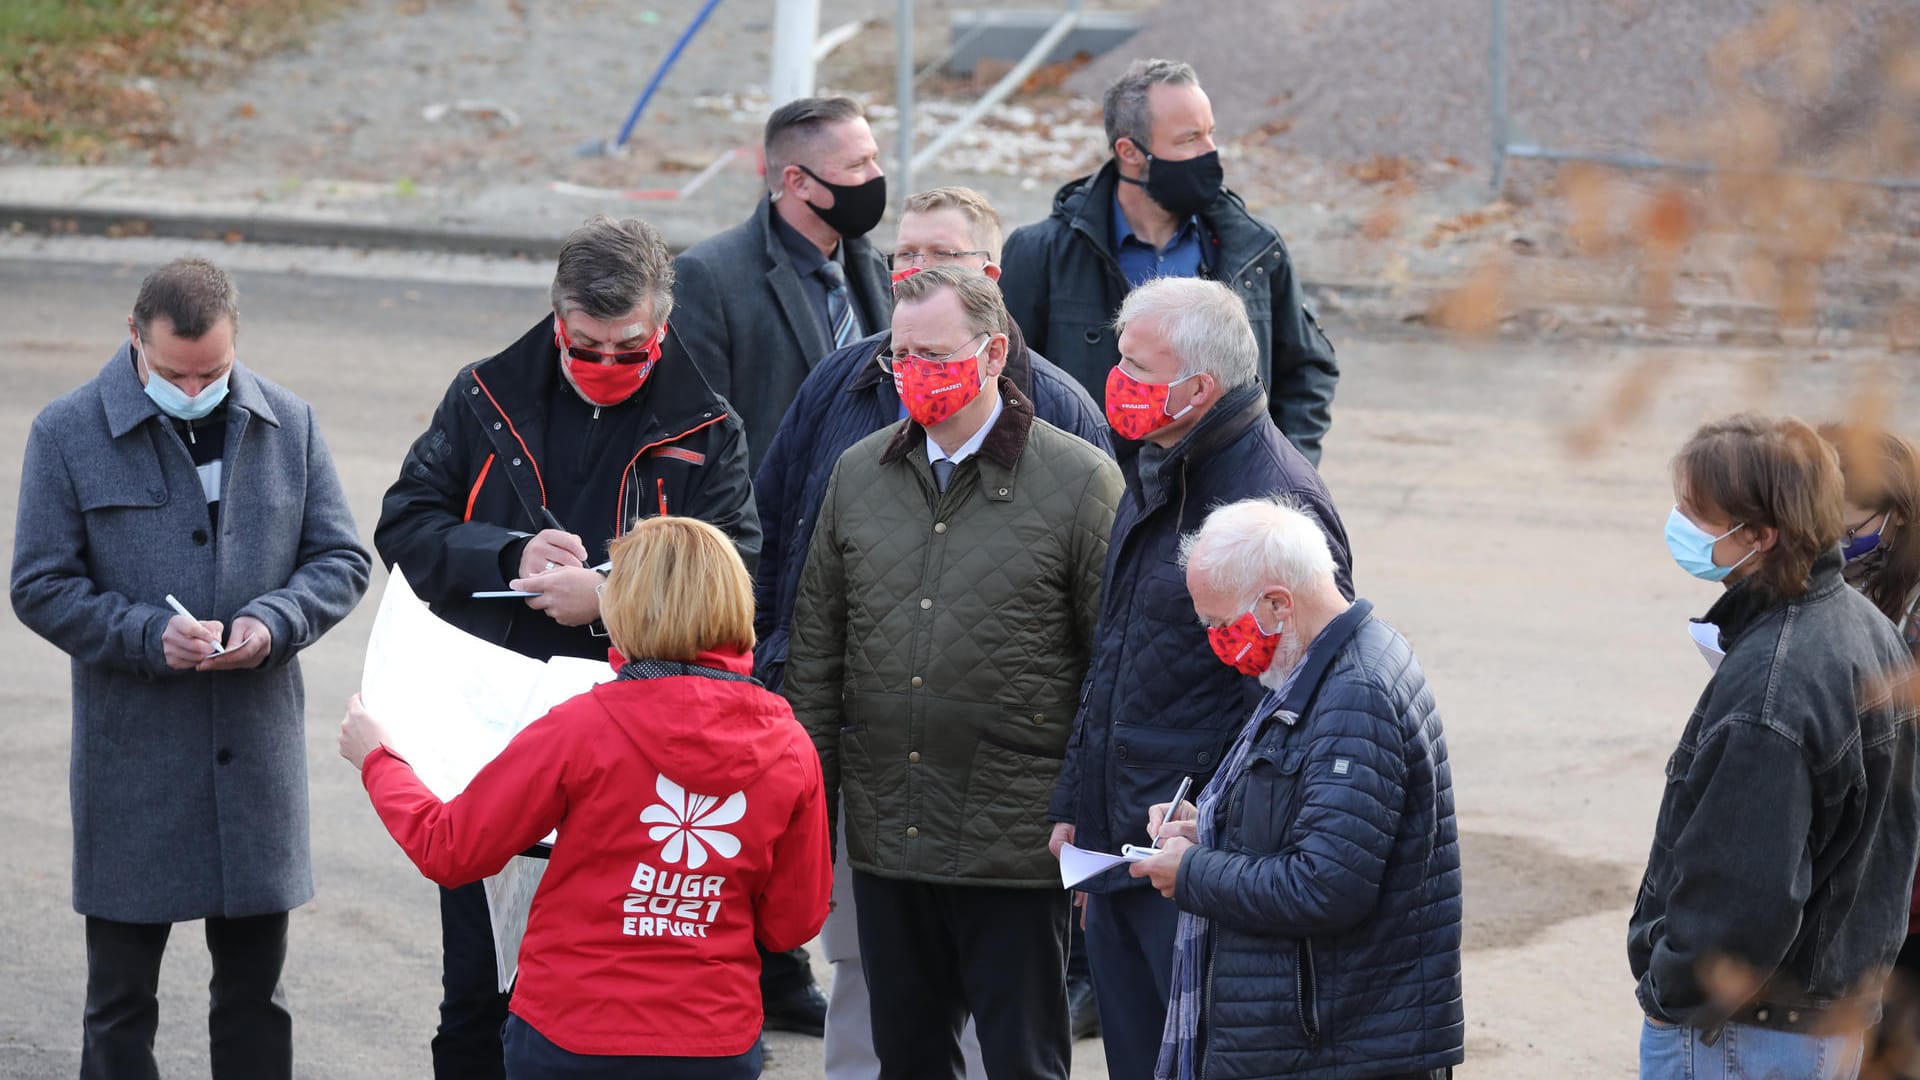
x=847 y=397
x=1334 y=888
x=1157 y=704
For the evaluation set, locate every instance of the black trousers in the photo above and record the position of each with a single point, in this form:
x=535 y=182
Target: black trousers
x=532 y=1056
x=472 y=1008
x=1130 y=945
x=249 y=1028
x=935 y=954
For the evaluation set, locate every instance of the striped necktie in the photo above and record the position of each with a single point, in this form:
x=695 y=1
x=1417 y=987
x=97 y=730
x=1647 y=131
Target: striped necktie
x=842 y=320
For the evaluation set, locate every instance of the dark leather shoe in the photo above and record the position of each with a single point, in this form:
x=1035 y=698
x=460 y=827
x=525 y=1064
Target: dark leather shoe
x=1081 y=1008
x=802 y=1009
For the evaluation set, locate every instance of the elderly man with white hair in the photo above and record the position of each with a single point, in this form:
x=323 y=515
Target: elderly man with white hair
x=1157 y=706
x=1318 y=878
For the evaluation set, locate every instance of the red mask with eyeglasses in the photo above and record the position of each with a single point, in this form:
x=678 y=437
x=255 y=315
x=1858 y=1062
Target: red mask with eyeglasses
x=608 y=378
x=933 y=390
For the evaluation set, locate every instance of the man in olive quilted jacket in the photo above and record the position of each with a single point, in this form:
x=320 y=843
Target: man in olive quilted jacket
x=943 y=627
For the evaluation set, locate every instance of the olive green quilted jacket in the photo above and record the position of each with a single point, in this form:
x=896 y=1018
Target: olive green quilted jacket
x=940 y=639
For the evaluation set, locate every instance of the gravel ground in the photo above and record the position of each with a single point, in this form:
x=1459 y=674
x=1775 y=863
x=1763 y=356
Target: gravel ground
x=1348 y=79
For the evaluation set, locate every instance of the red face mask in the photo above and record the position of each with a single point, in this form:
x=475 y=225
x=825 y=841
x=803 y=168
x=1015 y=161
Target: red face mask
x=933 y=390
x=608 y=378
x=1243 y=646
x=1137 y=409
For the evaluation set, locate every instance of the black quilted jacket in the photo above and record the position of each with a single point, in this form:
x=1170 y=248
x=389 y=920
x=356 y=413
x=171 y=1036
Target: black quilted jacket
x=1334 y=889
x=939 y=639
x=1158 y=705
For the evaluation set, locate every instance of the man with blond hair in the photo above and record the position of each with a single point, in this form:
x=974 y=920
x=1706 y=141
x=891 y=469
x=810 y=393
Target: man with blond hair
x=1157 y=705
x=1317 y=874
x=940 y=638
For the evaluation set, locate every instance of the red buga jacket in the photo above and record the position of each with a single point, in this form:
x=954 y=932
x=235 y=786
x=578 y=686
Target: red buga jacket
x=692 y=820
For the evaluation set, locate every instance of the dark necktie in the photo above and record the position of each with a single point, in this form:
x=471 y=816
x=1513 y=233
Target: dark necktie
x=942 y=473
x=842 y=321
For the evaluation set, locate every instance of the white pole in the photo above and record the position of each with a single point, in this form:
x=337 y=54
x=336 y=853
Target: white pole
x=796 y=26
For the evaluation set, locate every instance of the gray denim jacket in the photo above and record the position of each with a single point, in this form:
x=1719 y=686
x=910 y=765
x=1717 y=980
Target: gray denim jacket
x=1784 y=852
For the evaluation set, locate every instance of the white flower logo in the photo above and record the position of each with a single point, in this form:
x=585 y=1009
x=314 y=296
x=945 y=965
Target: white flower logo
x=684 y=819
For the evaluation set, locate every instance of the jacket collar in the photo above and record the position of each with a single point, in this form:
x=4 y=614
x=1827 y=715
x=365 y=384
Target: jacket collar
x=1320 y=655
x=1231 y=237
x=1004 y=445
x=1745 y=604
x=1229 y=419
x=675 y=396
x=128 y=406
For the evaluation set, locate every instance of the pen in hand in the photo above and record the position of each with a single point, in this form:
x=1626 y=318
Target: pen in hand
x=1179 y=796
x=182 y=609
x=552 y=522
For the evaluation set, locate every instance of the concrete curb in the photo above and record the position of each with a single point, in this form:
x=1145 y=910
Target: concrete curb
x=269 y=229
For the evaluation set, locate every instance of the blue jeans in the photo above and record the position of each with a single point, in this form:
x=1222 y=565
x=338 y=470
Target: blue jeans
x=1744 y=1052
x=532 y=1056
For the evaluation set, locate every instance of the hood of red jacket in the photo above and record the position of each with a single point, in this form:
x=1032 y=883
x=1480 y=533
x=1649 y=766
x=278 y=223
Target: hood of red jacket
x=708 y=734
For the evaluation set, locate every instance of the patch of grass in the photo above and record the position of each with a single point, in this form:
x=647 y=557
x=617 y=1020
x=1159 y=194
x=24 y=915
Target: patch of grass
x=71 y=70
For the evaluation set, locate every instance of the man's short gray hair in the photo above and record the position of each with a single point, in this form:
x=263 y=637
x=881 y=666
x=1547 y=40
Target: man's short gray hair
x=192 y=294
x=979 y=296
x=1247 y=547
x=1204 y=322
x=608 y=267
x=1127 y=113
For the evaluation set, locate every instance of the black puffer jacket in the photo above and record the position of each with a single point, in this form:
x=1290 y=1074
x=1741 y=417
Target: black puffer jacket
x=1064 y=286
x=473 y=483
x=1787 y=836
x=1158 y=705
x=1334 y=890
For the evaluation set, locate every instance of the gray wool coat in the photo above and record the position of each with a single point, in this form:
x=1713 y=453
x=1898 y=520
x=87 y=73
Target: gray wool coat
x=189 y=789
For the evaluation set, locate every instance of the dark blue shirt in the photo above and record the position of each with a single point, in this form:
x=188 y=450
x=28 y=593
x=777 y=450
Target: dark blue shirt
x=1140 y=263
x=807 y=261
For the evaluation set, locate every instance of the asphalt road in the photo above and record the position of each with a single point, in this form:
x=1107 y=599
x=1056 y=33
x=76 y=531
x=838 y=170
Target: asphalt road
x=1535 y=587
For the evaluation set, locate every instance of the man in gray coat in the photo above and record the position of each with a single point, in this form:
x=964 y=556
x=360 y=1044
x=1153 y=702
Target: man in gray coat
x=177 y=480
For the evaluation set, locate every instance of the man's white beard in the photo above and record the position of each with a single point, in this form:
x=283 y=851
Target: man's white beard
x=1285 y=658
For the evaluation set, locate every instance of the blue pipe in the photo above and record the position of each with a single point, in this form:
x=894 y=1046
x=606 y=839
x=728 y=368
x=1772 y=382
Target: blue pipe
x=660 y=74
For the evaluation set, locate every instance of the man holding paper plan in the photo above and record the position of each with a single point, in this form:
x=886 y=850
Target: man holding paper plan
x=182 y=537
x=594 y=419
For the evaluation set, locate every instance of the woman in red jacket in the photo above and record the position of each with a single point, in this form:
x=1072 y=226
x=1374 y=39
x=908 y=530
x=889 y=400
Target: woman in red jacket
x=691 y=817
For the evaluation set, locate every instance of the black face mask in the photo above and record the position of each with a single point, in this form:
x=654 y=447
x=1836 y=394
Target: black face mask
x=856 y=208
x=1184 y=187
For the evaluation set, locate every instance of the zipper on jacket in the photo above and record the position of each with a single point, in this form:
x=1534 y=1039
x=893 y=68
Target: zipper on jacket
x=1306 y=993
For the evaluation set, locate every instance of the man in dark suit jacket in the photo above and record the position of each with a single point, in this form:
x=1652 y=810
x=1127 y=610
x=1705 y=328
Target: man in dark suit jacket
x=762 y=302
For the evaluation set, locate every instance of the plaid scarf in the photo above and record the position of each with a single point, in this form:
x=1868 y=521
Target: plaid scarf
x=1180 y=1040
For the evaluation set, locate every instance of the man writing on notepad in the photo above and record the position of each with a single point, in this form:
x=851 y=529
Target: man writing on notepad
x=177 y=474
x=534 y=461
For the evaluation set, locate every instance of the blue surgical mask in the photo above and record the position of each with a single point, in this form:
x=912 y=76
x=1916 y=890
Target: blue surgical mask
x=176 y=403
x=1864 y=543
x=1692 y=548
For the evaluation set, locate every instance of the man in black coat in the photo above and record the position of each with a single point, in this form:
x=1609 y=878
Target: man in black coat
x=1157 y=209
x=533 y=462
x=762 y=302
x=1157 y=706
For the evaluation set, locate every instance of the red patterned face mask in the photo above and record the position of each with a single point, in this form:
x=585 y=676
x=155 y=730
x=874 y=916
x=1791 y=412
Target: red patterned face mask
x=608 y=378
x=1243 y=646
x=1137 y=409
x=933 y=390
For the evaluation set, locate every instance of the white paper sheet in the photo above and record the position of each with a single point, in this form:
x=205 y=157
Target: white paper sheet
x=1079 y=864
x=450 y=703
x=1706 y=637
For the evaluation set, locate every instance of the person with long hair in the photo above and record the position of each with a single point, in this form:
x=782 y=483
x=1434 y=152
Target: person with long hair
x=1776 y=890
x=1882 y=518
x=692 y=820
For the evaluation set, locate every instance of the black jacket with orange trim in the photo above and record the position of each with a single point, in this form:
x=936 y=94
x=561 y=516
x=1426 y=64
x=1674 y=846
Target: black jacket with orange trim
x=472 y=486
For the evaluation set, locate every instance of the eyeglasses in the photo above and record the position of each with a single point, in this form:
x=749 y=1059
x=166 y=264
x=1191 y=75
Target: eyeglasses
x=1854 y=531
x=914 y=358
x=904 y=259
x=646 y=354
